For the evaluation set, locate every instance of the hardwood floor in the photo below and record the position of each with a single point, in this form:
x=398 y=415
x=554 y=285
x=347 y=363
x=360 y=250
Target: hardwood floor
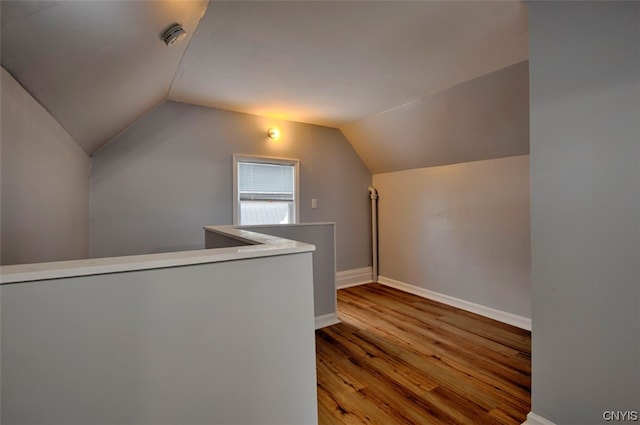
x=400 y=359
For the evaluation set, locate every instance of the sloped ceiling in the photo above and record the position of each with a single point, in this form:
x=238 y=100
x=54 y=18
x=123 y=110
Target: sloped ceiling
x=483 y=118
x=97 y=66
x=333 y=63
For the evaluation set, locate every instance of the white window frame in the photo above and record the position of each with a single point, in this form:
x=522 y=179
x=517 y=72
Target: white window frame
x=266 y=160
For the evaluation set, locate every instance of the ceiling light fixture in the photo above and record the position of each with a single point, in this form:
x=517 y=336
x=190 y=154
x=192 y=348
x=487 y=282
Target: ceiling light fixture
x=174 y=35
x=273 y=133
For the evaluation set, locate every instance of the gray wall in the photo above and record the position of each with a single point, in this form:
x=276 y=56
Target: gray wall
x=324 y=259
x=460 y=230
x=155 y=186
x=585 y=199
x=45 y=184
x=203 y=344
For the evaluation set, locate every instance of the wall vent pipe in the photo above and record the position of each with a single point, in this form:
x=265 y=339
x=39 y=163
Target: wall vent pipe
x=373 y=194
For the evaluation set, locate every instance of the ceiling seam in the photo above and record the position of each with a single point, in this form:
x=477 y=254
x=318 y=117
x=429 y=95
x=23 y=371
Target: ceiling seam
x=421 y=98
x=184 y=52
x=51 y=114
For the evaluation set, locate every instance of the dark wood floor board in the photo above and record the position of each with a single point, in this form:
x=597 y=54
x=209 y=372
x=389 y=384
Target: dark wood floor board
x=444 y=372
x=440 y=342
x=517 y=341
x=465 y=411
x=503 y=418
x=406 y=408
x=398 y=358
x=397 y=399
x=343 y=372
x=383 y=363
x=339 y=379
x=465 y=330
x=380 y=378
x=391 y=406
x=509 y=370
x=380 y=295
x=480 y=322
x=439 y=372
x=485 y=371
x=493 y=384
x=514 y=407
x=340 y=409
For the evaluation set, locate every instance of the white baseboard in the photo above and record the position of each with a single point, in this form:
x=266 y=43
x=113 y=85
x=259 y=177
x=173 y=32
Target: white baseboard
x=353 y=277
x=501 y=316
x=533 y=419
x=327 y=320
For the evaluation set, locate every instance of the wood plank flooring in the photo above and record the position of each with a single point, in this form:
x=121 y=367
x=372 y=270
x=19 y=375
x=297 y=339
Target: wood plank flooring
x=400 y=359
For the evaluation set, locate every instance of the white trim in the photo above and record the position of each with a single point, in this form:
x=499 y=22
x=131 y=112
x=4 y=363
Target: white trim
x=353 y=277
x=266 y=160
x=335 y=274
x=236 y=198
x=257 y=246
x=310 y=223
x=533 y=419
x=501 y=316
x=327 y=320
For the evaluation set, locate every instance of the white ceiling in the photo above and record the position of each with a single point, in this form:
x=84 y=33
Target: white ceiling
x=98 y=66
x=333 y=63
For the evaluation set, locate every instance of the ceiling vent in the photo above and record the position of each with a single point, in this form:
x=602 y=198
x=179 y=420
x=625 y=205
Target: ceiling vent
x=174 y=35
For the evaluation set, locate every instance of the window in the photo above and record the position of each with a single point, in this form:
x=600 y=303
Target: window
x=265 y=190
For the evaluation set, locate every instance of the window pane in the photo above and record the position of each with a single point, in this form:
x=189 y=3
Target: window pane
x=266 y=192
x=266 y=212
x=265 y=181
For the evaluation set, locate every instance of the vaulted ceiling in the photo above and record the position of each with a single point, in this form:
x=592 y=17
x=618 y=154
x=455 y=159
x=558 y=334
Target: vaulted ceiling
x=98 y=66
